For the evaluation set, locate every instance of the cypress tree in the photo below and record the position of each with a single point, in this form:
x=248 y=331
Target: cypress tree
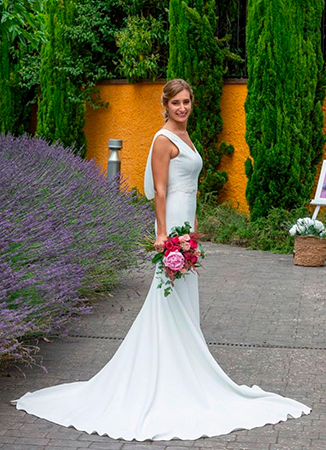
x=179 y=63
x=196 y=56
x=286 y=88
x=61 y=109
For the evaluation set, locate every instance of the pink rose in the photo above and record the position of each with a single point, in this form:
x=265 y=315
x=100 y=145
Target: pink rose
x=174 y=261
x=188 y=256
x=197 y=252
x=193 y=244
x=184 y=238
x=185 y=246
x=175 y=240
x=166 y=252
x=194 y=259
x=175 y=249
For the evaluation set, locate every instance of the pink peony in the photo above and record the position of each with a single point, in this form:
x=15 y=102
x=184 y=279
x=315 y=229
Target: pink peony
x=174 y=261
x=184 y=238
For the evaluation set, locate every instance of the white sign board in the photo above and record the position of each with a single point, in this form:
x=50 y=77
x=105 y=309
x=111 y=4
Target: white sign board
x=320 y=196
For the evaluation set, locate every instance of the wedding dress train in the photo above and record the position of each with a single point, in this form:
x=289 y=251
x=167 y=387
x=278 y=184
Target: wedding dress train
x=163 y=383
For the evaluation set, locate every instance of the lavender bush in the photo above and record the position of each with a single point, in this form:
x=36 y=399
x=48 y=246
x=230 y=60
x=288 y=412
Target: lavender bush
x=65 y=231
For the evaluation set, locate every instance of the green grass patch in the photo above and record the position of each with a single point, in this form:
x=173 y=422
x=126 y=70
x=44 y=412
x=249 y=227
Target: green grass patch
x=225 y=224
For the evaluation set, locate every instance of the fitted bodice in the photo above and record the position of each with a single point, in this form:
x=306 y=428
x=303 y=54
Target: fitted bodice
x=182 y=182
x=183 y=169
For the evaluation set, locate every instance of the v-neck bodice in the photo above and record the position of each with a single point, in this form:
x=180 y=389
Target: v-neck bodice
x=192 y=147
x=183 y=169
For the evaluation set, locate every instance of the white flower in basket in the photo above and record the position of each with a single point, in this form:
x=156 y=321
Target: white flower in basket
x=309 y=242
x=308 y=226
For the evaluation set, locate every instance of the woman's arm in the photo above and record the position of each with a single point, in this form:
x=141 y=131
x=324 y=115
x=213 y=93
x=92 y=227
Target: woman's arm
x=196 y=223
x=161 y=155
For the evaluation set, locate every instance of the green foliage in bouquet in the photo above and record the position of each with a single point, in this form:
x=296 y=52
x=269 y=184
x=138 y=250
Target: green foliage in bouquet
x=178 y=257
x=197 y=56
x=286 y=89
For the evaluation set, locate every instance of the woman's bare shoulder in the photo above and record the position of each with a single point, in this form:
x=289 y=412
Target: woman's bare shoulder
x=162 y=142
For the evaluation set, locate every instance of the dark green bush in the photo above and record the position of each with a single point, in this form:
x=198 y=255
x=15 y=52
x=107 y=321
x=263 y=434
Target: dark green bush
x=138 y=46
x=225 y=224
x=21 y=34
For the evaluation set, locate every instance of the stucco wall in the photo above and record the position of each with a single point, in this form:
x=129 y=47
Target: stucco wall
x=134 y=115
x=233 y=132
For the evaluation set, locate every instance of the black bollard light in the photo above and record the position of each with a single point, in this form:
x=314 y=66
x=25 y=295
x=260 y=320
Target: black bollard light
x=114 y=163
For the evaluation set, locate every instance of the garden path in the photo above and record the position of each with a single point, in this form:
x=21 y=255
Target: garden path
x=264 y=320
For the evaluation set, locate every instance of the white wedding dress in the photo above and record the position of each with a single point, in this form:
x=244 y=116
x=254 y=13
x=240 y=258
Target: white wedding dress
x=163 y=383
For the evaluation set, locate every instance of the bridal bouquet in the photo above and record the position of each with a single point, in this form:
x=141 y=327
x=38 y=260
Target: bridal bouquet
x=307 y=226
x=179 y=256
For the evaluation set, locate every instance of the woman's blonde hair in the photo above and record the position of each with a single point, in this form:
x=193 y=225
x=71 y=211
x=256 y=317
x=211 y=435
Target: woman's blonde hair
x=171 y=89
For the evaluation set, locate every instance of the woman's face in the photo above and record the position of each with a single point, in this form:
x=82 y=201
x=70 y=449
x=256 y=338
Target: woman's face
x=179 y=106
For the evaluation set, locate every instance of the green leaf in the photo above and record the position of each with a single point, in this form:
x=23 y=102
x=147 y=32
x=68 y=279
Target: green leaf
x=157 y=258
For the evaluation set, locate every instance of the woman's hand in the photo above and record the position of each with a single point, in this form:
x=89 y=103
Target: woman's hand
x=159 y=242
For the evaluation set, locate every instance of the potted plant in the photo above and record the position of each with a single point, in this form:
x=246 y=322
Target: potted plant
x=309 y=242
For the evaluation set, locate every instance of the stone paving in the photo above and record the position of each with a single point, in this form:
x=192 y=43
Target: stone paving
x=264 y=320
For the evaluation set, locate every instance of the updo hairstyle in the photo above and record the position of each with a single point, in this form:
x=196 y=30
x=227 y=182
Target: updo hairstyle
x=171 y=89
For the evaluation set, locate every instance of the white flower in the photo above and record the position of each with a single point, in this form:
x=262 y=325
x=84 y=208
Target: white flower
x=293 y=230
x=307 y=222
x=301 y=226
x=319 y=226
x=306 y=226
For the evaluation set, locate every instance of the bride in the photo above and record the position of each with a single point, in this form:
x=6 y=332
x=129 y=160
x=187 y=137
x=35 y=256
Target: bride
x=163 y=383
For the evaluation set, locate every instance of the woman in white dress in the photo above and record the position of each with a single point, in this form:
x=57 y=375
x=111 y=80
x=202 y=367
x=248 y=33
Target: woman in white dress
x=163 y=383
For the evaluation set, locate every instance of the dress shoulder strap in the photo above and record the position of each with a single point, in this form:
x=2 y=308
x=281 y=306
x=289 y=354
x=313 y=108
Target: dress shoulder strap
x=173 y=137
x=148 y=179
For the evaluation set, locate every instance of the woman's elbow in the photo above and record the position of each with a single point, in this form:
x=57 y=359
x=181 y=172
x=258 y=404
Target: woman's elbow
x=160 y=192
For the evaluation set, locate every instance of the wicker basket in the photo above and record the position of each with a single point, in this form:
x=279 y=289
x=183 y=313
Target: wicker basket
x=309 y=251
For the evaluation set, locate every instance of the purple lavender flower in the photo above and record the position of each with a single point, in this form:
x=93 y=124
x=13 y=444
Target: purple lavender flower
x=65 y=230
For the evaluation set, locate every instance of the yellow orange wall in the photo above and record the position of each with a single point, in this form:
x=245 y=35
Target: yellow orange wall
x=134 y=115
x=233 y=132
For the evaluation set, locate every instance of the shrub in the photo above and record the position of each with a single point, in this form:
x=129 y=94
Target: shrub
x=138 y=45
x=224 y=224
x=21 y=35
x=65 y=231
